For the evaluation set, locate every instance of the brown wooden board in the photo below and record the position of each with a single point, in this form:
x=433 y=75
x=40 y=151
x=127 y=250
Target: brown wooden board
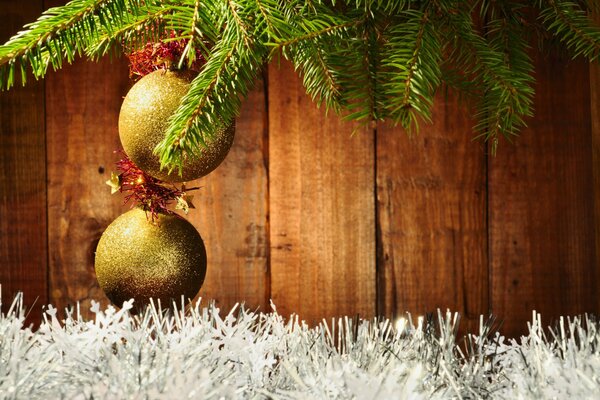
x=321 y=188
x=542 y=246
x=595 y=119
x=23 y=248
x=82 y=108
x=431 y=194
x=232 y=214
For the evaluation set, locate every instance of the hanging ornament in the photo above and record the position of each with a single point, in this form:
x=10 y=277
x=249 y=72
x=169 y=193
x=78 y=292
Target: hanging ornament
x=143 y=122
x=141 y=258
x=151 y=252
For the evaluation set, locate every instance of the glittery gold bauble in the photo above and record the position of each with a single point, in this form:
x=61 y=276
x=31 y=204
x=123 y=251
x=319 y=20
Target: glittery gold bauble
x=139 y=259
x=143 y=122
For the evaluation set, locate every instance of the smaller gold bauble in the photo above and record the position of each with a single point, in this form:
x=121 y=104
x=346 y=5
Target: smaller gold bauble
x=139 y=259
x=143 y=122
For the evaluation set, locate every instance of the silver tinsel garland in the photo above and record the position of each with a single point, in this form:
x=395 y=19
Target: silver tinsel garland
x=200 y=354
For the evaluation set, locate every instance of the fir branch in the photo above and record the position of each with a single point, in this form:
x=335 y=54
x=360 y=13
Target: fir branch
x=207 y=16
x=318 y=33
x=139 y=30
x=267 y=14
x=308 y=40
x=389 y=7
x=412 y=62
x=571 y=25
x=374 y=59
x=508 y=36
x=240 y=24
x=591 y=6
x=311 y=60
x=200 y=34
x=506 y=93
x=359 y=62
x=214 y=97
x=61 y=32
x=195 y=37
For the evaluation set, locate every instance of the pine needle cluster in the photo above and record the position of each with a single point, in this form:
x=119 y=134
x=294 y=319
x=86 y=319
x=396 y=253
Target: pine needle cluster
x=368 y=60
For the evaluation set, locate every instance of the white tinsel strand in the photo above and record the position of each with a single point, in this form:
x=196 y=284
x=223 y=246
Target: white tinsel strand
x=199 y=353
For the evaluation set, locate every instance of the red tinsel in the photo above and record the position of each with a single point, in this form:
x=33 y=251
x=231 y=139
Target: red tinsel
x=160 y=55
x=148 y=192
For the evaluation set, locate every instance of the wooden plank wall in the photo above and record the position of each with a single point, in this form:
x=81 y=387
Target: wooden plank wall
x=541 y=204
x=23 y=233
x=595 y=126
x=431 y=198
x=321 y=222
x=232 y=214
x=321 y=207
x=82 y=108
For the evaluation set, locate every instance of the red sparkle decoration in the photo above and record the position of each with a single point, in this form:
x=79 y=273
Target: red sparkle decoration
x=160 y=55
x=152 y=194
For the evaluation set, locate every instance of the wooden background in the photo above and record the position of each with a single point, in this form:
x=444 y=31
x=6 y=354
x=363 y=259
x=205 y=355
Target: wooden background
x=321 y=222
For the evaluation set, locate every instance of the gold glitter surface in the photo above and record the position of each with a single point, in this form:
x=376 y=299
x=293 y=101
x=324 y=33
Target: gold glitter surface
x=143 y=121
x=139 y=259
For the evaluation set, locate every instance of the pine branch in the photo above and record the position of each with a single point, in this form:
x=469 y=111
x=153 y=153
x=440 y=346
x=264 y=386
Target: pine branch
x=140 y=29
x=61 y=32
x=412 y=68
x=508 y=36
x=308 y=39
x=373 y=59
x=572 y=26
x=359 y=62
x=315 y=34
x=389 y=7
x=195 y=36
x=214 y=97
x=506 y=92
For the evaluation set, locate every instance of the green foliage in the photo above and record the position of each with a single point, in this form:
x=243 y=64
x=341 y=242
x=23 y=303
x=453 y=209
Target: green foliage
x=60 y=33
x=215 y=95
x=368 y=60
x=411 y=66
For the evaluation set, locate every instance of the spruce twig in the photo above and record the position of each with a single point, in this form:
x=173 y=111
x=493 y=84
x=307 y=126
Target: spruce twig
x=369 y=60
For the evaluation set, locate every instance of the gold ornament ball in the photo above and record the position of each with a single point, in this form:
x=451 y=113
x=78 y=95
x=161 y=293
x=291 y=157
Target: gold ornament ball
x=139 y=259
x=143 y=122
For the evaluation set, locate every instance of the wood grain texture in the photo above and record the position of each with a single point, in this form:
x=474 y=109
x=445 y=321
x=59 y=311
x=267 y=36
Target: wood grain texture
x=321 y=207
x=595 y=119
x=232 y=214
x=23 y=247
x=431 y=193
x=323 y=223
x=541 y=205
x=82 y=108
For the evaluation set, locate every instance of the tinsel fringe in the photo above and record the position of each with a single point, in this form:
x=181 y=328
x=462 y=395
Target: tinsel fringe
x=197 y=353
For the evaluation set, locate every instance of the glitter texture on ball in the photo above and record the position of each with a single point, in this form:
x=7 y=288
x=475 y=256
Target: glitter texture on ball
x=139 y=259
x=143 y=122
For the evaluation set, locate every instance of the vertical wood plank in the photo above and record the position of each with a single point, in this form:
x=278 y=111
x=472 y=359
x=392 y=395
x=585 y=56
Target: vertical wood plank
x=232 y=214
x=431 y=194
x=321 y=207
x=595 y=118
x=23 y=247
x=82 y=108
x=541 y=205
